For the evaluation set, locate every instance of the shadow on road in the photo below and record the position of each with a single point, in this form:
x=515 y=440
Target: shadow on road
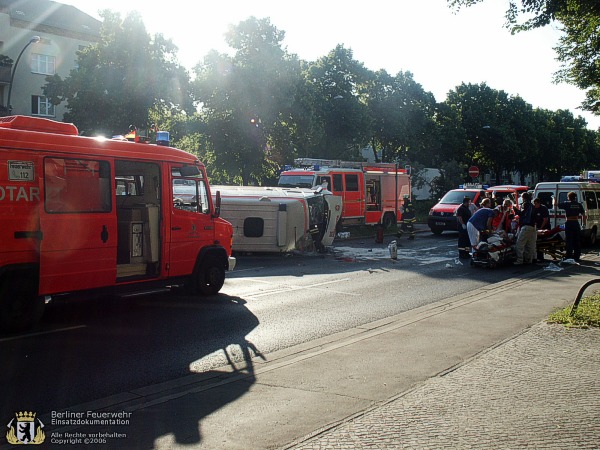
x=132 y=349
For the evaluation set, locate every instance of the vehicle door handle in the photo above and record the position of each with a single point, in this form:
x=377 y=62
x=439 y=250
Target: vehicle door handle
x=104 y=234
x=175 y=228
x=28 y=235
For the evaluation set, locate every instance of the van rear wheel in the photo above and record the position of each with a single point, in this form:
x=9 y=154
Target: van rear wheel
x=211 y=277
x=593 y=237
x=388 y=220
x=20 y=306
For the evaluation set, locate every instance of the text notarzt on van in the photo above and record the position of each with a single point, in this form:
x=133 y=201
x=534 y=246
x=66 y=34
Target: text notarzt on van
x=82 y=215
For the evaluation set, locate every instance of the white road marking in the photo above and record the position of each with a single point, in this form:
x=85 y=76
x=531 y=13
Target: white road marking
x=297 y=288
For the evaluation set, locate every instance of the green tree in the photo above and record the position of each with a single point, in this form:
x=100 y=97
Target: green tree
x=401 y=117
x=450 y=142
x=579 y=54
x=538 y=13
x=247 y=100
x=120 y=79
x=485 y=116
x=339 y=85
x=579 y=47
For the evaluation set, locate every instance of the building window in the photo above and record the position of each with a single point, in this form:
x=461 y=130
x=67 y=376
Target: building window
x=41 y=106
x=43 y=64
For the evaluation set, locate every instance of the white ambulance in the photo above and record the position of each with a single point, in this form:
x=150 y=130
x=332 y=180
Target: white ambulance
x=554 y=193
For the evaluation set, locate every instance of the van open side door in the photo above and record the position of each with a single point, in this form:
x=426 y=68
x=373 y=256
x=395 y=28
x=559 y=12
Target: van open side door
x=78 y=247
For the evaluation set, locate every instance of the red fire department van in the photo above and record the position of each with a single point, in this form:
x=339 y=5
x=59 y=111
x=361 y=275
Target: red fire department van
x=81 y=215
x=372 y=193
x=442 y=216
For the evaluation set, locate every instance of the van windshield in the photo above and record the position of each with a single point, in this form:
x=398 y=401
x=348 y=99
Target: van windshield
x=300 y=181
x=456 y=197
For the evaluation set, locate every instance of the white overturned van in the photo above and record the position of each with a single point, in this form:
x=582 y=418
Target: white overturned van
x=553 y=193
x=279 y=220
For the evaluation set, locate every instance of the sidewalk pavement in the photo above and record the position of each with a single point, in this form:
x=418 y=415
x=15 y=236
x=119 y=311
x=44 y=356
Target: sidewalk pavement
x=481 y=370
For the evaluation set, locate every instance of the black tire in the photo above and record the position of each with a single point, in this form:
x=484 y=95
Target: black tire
x=210 y=277
x=593 y=237
x=388 y=220
x=20 y=306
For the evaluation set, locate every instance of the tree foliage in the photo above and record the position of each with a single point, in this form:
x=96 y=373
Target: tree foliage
x=537 y=13
x=247 y=101
x=503 y=133
x=339 y=84
x=401 y=116
x=121 y=79
x=579 y=47
x=579 y=54
x=248 y=113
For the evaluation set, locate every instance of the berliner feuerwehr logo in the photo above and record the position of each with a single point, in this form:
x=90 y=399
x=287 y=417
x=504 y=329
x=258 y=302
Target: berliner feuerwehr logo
x=22 y=429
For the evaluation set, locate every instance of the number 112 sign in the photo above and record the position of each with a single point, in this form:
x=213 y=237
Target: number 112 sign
x=20 y=171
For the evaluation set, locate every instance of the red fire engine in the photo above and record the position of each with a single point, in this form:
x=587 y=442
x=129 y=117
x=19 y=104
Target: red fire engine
x=82 y=214
x=372 y=193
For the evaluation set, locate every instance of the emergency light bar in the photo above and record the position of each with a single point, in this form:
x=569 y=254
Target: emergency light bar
x=473 y=186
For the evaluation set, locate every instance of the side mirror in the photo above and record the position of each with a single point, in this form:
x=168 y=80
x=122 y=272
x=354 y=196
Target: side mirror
x=217 y=204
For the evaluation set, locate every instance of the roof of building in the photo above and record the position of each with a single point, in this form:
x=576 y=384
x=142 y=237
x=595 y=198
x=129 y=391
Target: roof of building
x=51 y=14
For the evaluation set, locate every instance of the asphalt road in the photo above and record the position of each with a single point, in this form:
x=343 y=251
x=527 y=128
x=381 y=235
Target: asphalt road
x=89 y=350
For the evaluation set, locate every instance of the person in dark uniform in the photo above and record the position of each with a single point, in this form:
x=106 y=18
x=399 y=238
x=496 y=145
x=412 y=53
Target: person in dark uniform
x=409 y=217
x=573 y=210
x=463 y=214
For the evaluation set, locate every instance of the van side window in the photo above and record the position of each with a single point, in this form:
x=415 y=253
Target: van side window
x=590 y=199
x=77 y=186
x=254 y=227
x=324 y=182
x=562 y=197
x=546 y=199
x=190 y=194
x=351 y=182
x=337 y=183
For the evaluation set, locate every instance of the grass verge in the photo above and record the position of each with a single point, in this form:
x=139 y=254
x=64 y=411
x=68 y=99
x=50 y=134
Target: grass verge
x=587 y=314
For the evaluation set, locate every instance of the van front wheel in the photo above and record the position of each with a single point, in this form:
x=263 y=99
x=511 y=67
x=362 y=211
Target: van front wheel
x=211 y=277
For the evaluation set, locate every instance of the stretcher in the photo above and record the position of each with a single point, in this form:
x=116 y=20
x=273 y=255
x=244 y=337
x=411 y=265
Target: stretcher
x=497 y=249
x=551 y=243
x=494 y=251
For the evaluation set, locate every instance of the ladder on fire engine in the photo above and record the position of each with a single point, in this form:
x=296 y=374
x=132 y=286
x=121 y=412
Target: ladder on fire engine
x=336 y=163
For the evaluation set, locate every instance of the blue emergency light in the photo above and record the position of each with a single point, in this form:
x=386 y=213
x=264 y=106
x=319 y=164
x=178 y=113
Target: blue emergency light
x=162 y=138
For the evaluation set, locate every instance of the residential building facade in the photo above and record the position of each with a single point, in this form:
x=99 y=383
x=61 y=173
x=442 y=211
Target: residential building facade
x=26 y=60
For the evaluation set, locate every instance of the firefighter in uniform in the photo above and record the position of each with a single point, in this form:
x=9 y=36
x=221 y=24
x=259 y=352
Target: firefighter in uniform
x=408 y=218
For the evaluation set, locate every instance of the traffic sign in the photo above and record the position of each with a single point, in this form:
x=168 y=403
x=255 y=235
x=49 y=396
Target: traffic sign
x=473 y=171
